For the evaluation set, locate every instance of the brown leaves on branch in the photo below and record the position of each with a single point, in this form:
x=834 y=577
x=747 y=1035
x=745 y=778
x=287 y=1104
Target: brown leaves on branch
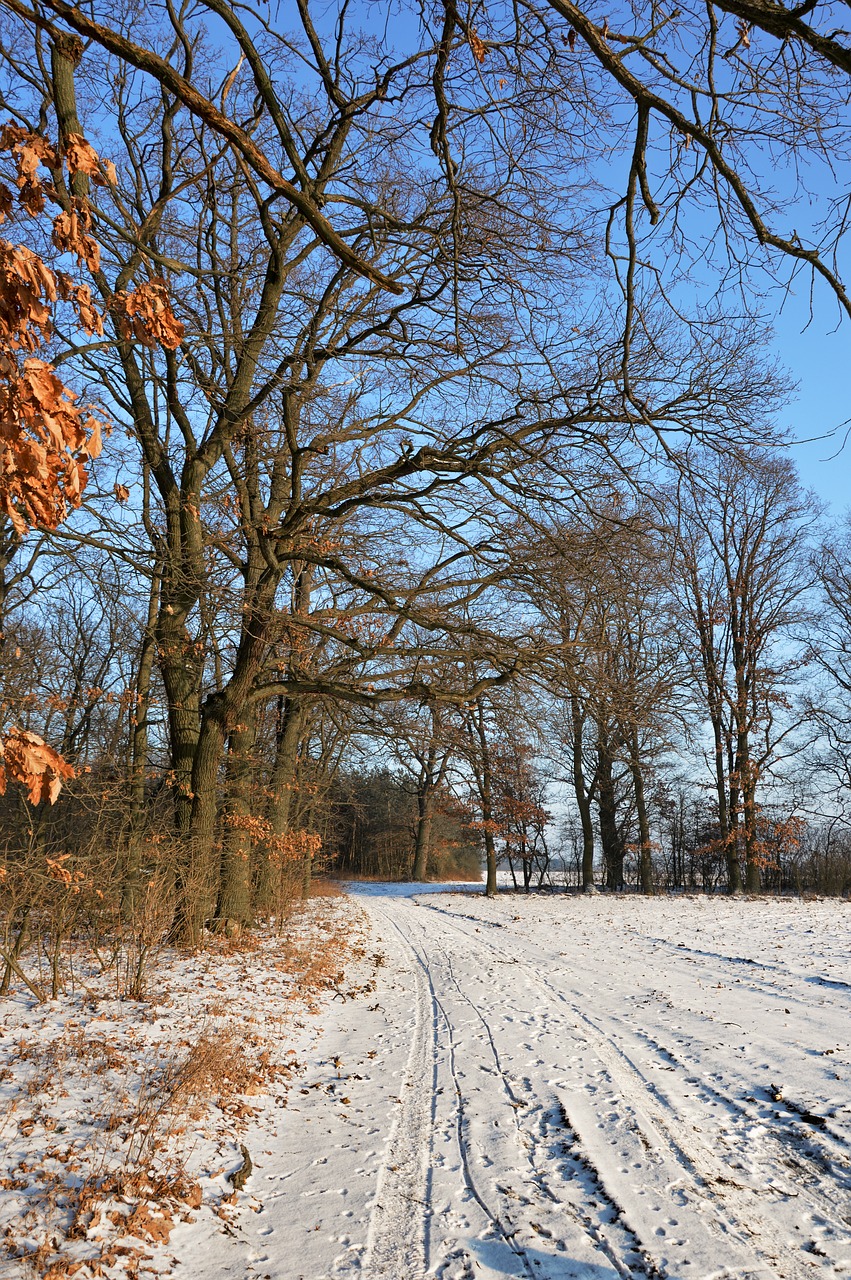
x=146 y=315
x=45 y=441
x=46 y=437
x=81 y=157
x=477 y=47
x=26 y=287
x=30 y=151
x=27 y=759
x=70 y=235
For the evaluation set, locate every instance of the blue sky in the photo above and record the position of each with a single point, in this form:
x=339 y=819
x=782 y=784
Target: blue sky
x=819 y=359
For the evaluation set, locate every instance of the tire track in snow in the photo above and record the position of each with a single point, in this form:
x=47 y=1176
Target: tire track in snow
x=623 y=1224
x=492 y=1217
x=736 y=1238
x=793 y=1138
x=397 y=1236
x=609 y=1218
x=608 y=1236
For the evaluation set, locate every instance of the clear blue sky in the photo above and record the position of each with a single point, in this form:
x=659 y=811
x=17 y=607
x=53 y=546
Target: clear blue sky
x=820 y=362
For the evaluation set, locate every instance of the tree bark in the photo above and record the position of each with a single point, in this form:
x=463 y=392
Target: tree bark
x=139 y=755
x=486 y=798
x=425 y=814
x=282 y=785
x=580 y=791
x=613 y=852
x=645 y=852
x=234 y=907
x=431 y=777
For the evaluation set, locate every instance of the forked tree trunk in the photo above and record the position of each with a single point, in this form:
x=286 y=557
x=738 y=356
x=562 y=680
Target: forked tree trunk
x=425 y=816
x=431 y=778
x=196 y=888
x=727 y=807
x=292 y=713
x=645 y=851
x=486 y=798
x=753 y=878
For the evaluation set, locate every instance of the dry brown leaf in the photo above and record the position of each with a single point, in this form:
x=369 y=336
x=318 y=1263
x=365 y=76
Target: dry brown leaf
x=146 y=315
x=28 y=759
x=70 y=235
x=44 y=442
x=477 y=46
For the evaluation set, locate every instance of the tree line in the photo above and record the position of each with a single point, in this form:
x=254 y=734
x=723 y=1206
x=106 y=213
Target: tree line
x=420 y=454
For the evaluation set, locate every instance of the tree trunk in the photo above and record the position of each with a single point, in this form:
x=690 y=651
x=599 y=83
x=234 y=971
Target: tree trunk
x=753 y=879
x=196 y=884
x=491 y=889
x=139 y=756
x=613 y=852
x=645 y=858
x=282 y=785
x=425 y=815
x=734 y=871
x=65 y=53
x=181 y=676
x=526 y=863
x=583 y=802
x=720 y=778
x=431 y=777
x=485 y=781
x=233 y=910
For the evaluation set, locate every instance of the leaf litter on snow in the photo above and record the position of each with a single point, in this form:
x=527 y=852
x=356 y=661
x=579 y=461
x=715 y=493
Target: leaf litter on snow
x=581 y=1087
x=122 y=1119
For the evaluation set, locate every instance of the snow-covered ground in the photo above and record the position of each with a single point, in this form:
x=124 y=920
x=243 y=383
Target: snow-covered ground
x=572 y=1087
x=123 y=1123
x=556 y=1087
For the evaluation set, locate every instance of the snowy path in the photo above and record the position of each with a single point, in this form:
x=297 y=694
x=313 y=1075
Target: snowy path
x=572 y=1087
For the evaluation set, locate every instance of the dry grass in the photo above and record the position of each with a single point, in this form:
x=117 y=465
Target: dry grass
x=114 y=1114
x=321 y=887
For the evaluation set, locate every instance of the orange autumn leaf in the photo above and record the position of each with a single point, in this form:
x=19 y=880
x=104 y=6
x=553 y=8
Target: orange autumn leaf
x=45 y=440
x=146 y=315
x=28 y=759
x=80 y=297
x=70 y=235
x=477 y=47
x=81 y=157
x=46 y=437
x=26 y=288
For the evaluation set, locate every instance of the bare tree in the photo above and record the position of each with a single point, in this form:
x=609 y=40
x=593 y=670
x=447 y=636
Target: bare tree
x=743 y=578
x=832 y=653
x=600 y=586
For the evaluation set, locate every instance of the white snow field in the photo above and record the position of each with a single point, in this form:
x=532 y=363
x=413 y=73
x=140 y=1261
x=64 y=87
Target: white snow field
x=565 y=1086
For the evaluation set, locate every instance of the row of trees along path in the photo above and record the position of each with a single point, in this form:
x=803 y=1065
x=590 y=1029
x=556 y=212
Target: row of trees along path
x=412 y=440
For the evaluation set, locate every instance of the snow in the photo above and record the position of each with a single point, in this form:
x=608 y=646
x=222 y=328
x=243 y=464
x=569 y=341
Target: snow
x=547 y=1086
x=122 y=1122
